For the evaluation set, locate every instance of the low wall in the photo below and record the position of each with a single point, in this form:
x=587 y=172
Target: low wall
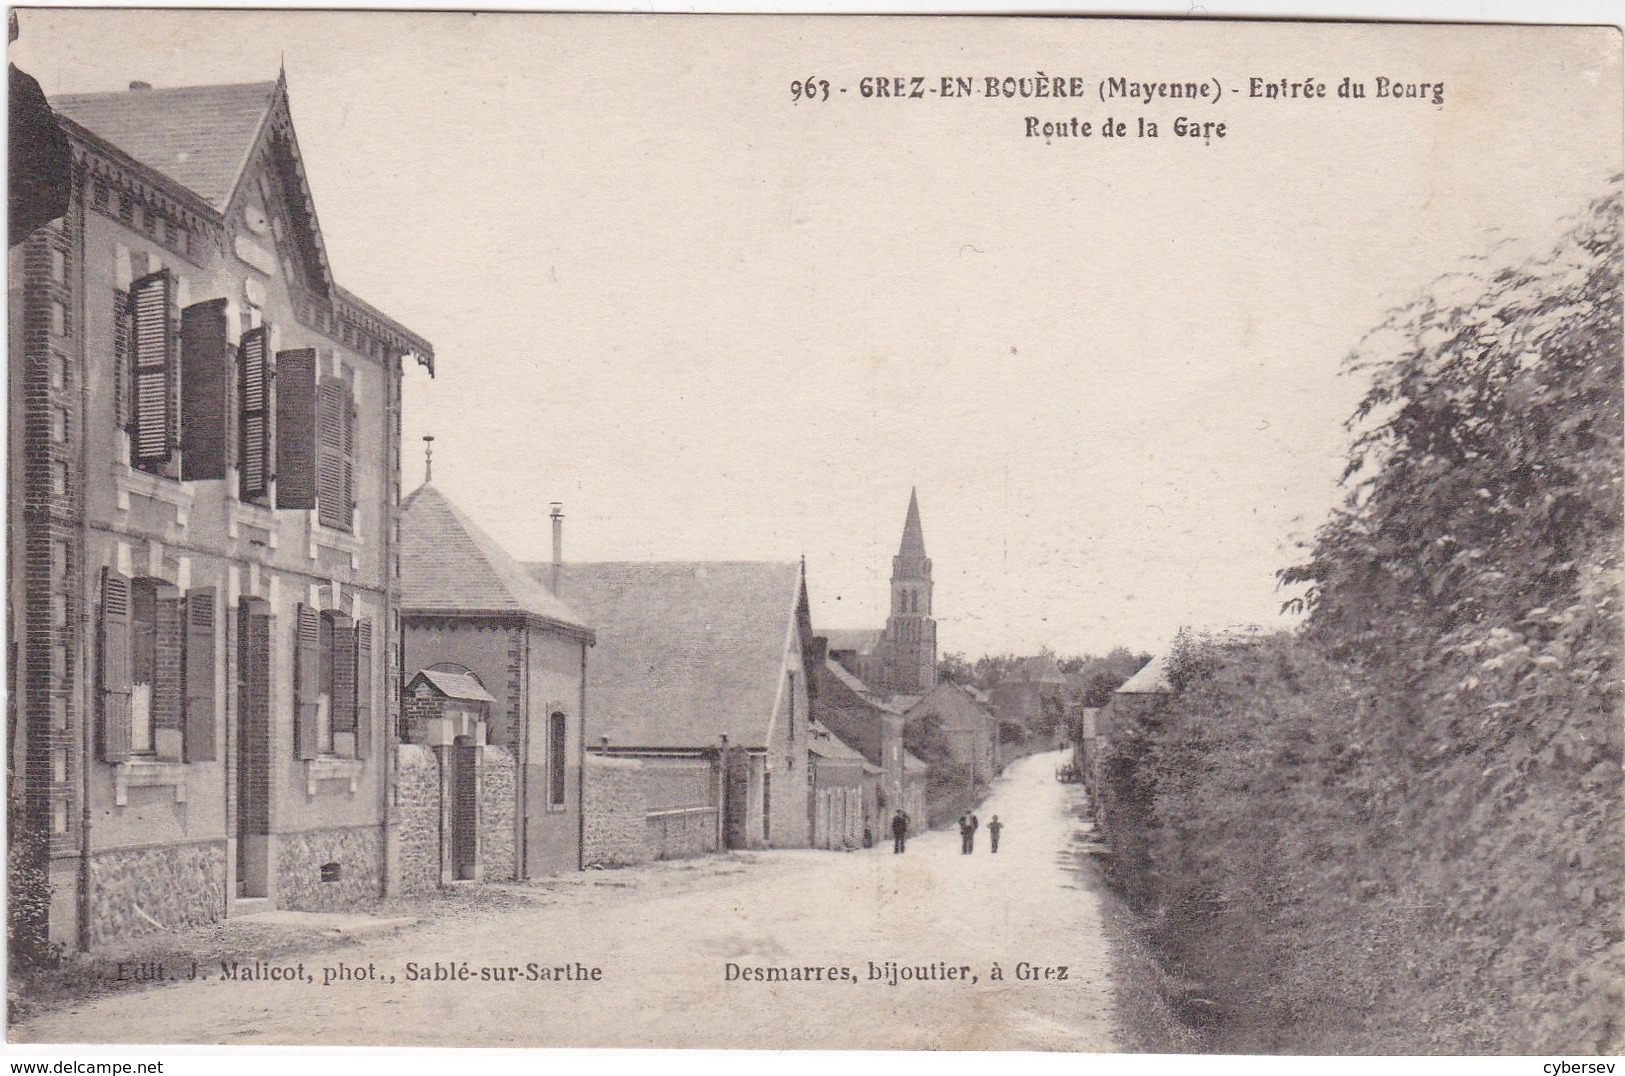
x=148 y=889
x=615 y=812
x=300 y=857
x=642 y=809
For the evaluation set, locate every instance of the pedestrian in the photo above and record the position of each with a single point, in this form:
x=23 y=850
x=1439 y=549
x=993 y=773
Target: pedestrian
x=975 y=824
x=993 y=829
x=899 y=832
x=964 y=835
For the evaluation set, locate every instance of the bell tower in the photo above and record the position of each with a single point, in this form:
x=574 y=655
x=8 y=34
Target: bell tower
x=911 y=635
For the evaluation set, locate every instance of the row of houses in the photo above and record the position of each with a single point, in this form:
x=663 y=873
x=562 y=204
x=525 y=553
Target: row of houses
x=245 y=672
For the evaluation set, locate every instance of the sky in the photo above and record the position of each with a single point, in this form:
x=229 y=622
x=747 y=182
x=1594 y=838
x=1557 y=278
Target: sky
x=718 y=324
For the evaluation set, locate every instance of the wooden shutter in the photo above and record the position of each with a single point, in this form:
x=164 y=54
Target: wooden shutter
x=200 y=650
x=307 y=681
x=296 y=429
x=348 y=411
x=254 y=415
x=363 y=692
x=123 y=330
x=255 y=627
x=332 y=498
x=206 y=360
x=168 y=685
x=153 y=419
x=115 y=667
x=343 y=699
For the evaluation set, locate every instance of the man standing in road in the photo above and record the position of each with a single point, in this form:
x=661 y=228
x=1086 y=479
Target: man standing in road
x=899 y=832
x=993 y=829
x=970 y=842
x=964 y=835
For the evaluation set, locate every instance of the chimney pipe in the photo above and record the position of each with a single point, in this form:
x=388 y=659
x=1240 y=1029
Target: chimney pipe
x=557 y=514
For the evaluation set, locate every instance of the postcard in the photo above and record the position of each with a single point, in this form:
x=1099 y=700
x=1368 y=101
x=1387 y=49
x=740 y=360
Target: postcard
x=801 y=533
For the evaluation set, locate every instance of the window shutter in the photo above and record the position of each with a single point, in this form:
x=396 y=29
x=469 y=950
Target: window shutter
x=296 y=429
x=363 y=681
x=123 y=329
x=254 y=460
x=115 y=667
x=200 y=705
x=332 y=499
x=255 y=626
x=206 y=360
x=307 y=681
x=344 y=685
x=168 y=687
x=153 y=421
x=348 y=409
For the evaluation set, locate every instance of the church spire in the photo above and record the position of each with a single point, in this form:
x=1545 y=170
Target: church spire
x=913 y=544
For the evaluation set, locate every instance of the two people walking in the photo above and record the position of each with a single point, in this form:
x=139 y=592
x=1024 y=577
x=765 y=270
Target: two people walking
x=969 y=824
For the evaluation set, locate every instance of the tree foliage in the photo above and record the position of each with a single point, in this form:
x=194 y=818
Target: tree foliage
x=1400 y=828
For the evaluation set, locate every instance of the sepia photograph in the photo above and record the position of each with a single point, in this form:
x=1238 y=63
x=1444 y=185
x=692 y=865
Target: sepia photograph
x=793 y=532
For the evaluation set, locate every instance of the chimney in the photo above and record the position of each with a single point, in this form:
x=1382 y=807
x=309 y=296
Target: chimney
x=557 y=514
x=140 y=85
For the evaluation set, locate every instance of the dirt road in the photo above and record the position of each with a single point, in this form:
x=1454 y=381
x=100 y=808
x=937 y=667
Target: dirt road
x=697 y=955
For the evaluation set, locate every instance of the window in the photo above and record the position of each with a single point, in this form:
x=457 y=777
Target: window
x=143 y=663
x=254 y=418
x=59 y=478
x=59 y=266
x=59 y=318
x=59 y=425
x=556 y=746
x=332 y=685
x=156 y=675
x=59 y=370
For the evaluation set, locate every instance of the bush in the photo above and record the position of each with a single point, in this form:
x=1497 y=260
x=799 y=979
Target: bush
x=1400 y=829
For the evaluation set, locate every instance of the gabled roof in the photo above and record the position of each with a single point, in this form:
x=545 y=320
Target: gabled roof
x=858 y=640
x=858 y=687
x=451 y=567
x=687 y=652
x=455 y=685
x=949 y=692
x=199 y=136
x=1042 y=669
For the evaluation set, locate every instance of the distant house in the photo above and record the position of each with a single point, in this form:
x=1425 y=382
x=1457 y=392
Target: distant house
x=1024 y=693
x=699 y=713
x=854 y=713
x=466 y=604
x=970 y=731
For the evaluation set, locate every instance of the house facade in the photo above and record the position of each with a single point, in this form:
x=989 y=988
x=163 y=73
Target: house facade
x=204 y=488
x=467 y=605
x=697 y=731
x=969 y=731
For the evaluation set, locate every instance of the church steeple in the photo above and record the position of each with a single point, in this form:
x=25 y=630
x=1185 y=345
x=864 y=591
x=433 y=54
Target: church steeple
x=910 y=644
x=913 y=544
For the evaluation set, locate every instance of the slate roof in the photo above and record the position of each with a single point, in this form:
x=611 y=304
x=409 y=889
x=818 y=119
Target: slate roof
x=913 y=543
x=825 y=744
x=1152 y=679
x=858 y=687
x=861 y=640
x=199 y=136
x=450 y=566
x=687 y=651
x=456 y=685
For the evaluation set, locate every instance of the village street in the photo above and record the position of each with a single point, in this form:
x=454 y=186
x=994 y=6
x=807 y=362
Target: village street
x=666 y=936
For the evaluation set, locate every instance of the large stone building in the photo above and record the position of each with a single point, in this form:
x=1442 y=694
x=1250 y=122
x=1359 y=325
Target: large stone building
x=201 y=559
x=901 y=659
x=470 y=610
x=968 y=731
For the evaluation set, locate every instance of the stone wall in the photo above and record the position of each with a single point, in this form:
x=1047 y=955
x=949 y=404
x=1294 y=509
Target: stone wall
x=498 y=806
x=301 y=856
x=148 y=889
x=682 y=833
x=417 y=817
x=615 y=812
